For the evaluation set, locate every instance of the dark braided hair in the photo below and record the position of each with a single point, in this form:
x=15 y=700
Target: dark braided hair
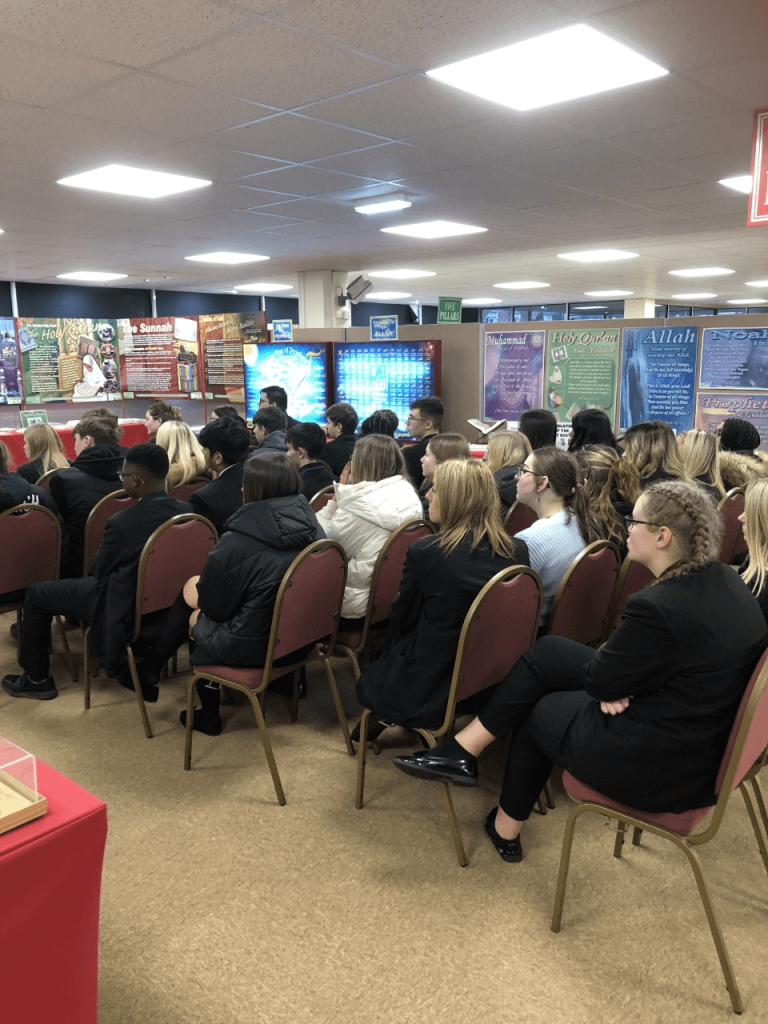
x=690 y=514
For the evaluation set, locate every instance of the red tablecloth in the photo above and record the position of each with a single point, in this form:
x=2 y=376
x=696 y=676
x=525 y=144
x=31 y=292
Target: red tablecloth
x=50 y=883
x=133 y=433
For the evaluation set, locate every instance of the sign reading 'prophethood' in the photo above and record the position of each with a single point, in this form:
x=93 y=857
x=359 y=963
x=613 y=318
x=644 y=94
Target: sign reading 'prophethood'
x=582 y=371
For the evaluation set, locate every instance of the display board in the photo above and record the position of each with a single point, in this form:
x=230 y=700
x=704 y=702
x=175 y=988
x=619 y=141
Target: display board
x=301 y=369
x=159 y=357
x=734 y=357
x=513 y=364
x=68 y=359
x=582 y=371
x=10 y=369
x=222 y=336
x=386 y=375
x=712 y=410
x=658 y=375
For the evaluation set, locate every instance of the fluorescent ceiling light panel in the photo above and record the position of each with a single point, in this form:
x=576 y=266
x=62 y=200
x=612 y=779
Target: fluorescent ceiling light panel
x=598 y=255
x=387 y=204
x=263 y=286
x=702 y=272
x=401 y=275
x=387 y=295
x=434 y=229
x=90 y=275
x=559 y=66
x=134 y=181
x=696 y=295
x=522 y=285
x=226 y=257
x=480 y=302
x=746 y=302
x=608 y=293
x=757 y=284
x=741 y=183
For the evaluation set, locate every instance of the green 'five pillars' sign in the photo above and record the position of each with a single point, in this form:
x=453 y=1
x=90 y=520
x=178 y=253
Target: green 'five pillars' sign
x=448 y=311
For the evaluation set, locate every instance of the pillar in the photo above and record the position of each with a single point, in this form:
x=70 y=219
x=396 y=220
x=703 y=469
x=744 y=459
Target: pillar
x=319 y=291
x=635 y=309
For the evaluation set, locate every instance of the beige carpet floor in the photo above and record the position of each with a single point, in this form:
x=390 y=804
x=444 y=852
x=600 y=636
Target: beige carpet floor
x=221 y=907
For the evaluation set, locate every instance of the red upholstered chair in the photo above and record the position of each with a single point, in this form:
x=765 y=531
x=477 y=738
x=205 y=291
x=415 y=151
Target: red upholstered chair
x=731 y=507
x=519 y=517
x=499 y=627
x=385 y=583
x=746 y=744
x=632 y=577
x=183 y=491
x=307 y=610
x=322 y=498
x=30 y=542
x=96 y=523
x=176 y=551
x=45 y=479
x=582 y=604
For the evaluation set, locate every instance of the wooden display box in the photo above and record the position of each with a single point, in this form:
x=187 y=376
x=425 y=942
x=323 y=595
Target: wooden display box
x=18 y=803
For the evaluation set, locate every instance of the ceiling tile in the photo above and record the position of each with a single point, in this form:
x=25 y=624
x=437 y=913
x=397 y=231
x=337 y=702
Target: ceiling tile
x=698 y=138
x=292 y=138
x=209 y=161
x=66 y=75
x=493 y=184
x=306 y=181
x=393 y=161
x=641 y=177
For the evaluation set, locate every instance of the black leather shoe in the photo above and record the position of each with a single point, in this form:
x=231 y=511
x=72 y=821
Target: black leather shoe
x=22 y=686
x=149 y=692
x=510 y=850
x=424 y=764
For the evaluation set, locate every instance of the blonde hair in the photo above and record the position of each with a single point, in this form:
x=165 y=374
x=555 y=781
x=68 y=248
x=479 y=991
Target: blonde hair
x=653 y=449
x=697 y=526
x=449 y=446
x=756 y=534
x=469 y=506
x=699 y=452
x=45 y=444
x=185 y=455
x=507 y=448
x=376 y=457
x=605 y=472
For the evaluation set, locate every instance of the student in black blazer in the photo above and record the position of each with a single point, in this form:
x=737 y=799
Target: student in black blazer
x=106 y=598
x=340 y=427
x=646 y=718
x=225 y=444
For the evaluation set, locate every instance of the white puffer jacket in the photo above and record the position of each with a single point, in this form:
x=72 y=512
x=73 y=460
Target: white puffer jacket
x=360 y=519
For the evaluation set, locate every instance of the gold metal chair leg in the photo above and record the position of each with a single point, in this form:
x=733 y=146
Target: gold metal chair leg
x=255 y=704
x=548 y=796
x=293 y=707
x=339 y=706
x=565 y=860
x=450 y=810
x=539 y=807
x=138 y=693
x=621 y=831
x=760 y=802
x=362 y=747
x=755 y=824
x=87 y=669
x=67 y=653
x=636 y=834
x=188 y=728
x=349 y=653
x=18 y=634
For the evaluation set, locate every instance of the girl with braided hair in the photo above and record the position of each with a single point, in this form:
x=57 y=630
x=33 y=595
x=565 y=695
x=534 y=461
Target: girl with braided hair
x=645 y=719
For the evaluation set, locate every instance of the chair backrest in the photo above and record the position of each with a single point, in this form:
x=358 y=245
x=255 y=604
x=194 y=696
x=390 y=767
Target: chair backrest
x=183 y=491
x=519 y=517
x=45 y=479
x=499 y=627
x=632 y=577
x=96 y=523
x=388 y=570
x=731 y=508
x=308 y=603
x=176 y=551
x=322 y=498
x=30 y=547
x=583 y=600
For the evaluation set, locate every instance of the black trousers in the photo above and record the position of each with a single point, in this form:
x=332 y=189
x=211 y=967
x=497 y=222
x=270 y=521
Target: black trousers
x=71 y=598
x=536 y=704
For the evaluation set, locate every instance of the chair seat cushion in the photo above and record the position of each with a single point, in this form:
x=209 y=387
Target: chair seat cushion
x=251 y=678
x=683 y=824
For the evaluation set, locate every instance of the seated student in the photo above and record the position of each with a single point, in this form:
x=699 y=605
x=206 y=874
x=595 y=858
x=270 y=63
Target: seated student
x=701 y=458
x=507 y=451
x=612 y=486
x=646 y=718
x=275 y=397
x=159 y=413
x=440 y=448
x=340 y=427
x=186 y=457
x=549 y=483
x=106 y=598
x=221 y=411
x=424 y=422
x=44 y=450
x=306 y=446
x=409 y=683
x=652 y=447
x=225 y=446
x=232 y=601
x=92 y=475
x=382 y=421
x=269 y=426
x=754 y=519
x=539 y=426
x=739 y=436
x=590 y=426
x=377 y=499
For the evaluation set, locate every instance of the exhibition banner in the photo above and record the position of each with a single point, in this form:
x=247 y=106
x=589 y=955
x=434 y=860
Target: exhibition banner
x=10 y=370
x=222 y=345
x=757 y=210
x=68 y=359
x=582 y=371
x=301 y=369
x=513 y=373
x=159 y=357
x=658 y=373
x=713 y=410
x=734 y=358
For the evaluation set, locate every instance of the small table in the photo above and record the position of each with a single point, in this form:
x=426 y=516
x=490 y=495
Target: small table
x=50 y=885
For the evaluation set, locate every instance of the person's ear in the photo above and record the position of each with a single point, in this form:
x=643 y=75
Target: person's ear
x=429 y=425
x=302 y=452
x=664 y=537
x=543 y=483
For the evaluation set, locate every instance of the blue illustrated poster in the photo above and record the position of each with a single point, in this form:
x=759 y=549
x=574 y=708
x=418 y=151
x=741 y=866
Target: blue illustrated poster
x=657 y=376
x=10 y=369
x=301 y=369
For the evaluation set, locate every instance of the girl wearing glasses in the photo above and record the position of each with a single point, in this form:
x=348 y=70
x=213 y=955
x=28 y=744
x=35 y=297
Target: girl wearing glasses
x=645 y=719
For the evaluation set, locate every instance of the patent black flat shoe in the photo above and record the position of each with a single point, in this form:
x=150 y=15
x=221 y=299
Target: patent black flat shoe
x=510 y=850
x=424 y=764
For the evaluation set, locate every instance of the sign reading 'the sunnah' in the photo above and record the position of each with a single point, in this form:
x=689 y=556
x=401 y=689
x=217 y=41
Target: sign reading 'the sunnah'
x=758 y=201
